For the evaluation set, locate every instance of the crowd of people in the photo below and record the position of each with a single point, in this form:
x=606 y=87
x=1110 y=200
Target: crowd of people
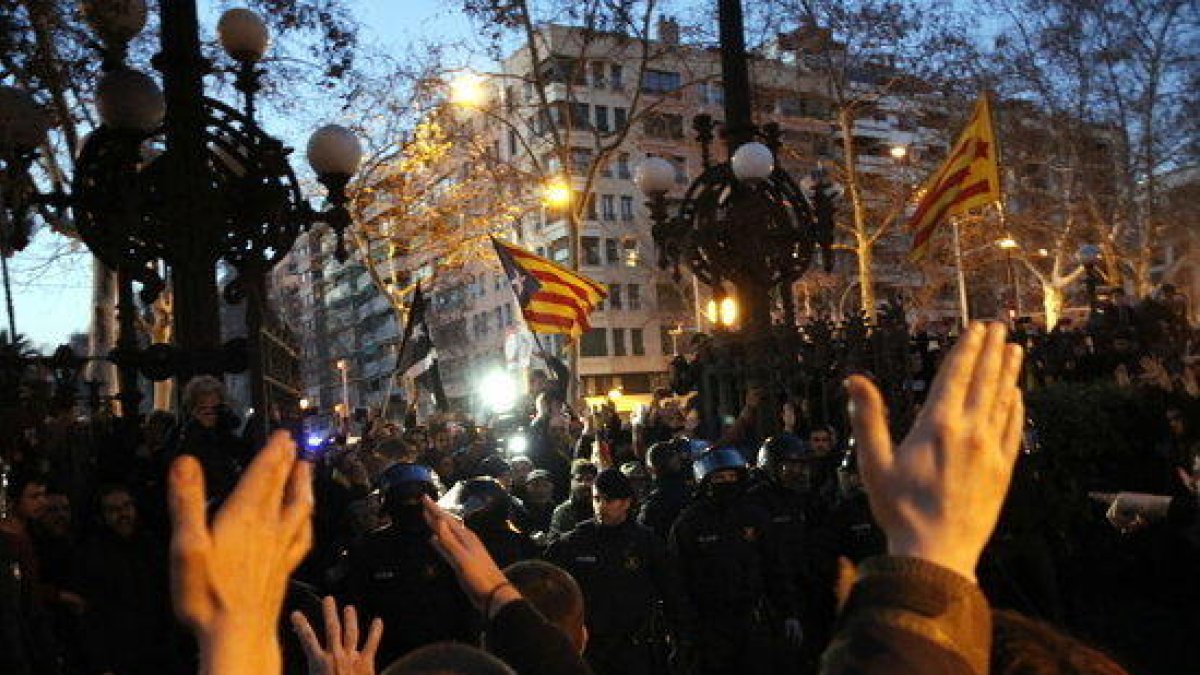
x=576 y=541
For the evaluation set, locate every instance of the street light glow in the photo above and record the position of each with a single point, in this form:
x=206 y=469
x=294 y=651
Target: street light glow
x=556 y=193
x=899 y=152
x=468 y=90
x=498 y=391
x=1007 y=243
x=724 y=314
x=615 y=394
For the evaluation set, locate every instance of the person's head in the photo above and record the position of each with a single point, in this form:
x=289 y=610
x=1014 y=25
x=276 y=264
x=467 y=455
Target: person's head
x=1024 y=646
x=481 y=502
x=691 y=421
x=522 y=466
x=443 y=440
x=28 y=495
x=721 y=474
x=821 y=441
x=203 y=399
x=448 y=658
x=612 y=498
x=539 y=488
x=402 y=486
x=583 y=474
x=666 y=458
x=497 y=467
x=789 y=415
x=117 y=510
x=554 y=594
x=56 y=517
x=639 y=478
x=1176 y=422
x=446 y=468
x=786 y=461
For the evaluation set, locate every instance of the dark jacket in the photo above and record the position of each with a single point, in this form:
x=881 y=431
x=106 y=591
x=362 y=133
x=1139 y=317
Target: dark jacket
x=906 y=615
x=624 y=573
x=569 y=514
x=522 y=638
x=664 y=504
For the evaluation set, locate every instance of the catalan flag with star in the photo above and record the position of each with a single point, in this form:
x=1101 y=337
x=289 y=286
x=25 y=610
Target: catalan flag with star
x=968 y=179
x=553 y=299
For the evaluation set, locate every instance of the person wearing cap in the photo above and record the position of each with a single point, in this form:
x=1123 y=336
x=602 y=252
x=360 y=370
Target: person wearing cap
x=623 y=570
x=787 y=492
x=395 y=574
x=732 y=569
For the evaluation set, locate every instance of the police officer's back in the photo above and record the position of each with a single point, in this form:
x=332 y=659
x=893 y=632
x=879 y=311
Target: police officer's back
x=623 y=570
x=395 y=574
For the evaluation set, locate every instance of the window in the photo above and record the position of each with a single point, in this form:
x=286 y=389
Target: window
x=660 y=82
x=608 y=207
x=629 y=253
x=602 y=119
x=637 y=341
x=512 y=142
x=634 y=296
x=589 y=206
x=499 y=312
x=626 y=207
x=598 y=80
x=664 y=126
x=612 y=255
x=620 y=118
x=508 y=314
x=563 y=69
x=712 y=93
x=791 y=107
x=581 y=116
x=618 y=341
x=560 y=251
x=581 y=160
x=618 y=76
x=614 y=296
x=594 y=343
x=591 y=250
x=623 y=165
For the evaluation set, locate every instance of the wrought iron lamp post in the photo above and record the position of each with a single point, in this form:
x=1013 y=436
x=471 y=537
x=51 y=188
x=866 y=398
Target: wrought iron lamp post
x=744 y=220
x=177 y=180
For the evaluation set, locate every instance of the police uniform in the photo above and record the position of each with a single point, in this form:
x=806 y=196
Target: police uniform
x=624 y=574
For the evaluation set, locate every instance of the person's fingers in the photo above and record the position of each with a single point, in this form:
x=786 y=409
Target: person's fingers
x=1009 y=379
x=299 y=546
x=1014 y=425
x=985 y=385
x=349 y=628
x=868 y=418
x=298 y=498
x=374 y=636
x=308 y=638
x=260 y=489
x=442 y=523
x=949 y=386
x=189 y=536
x=333 y=627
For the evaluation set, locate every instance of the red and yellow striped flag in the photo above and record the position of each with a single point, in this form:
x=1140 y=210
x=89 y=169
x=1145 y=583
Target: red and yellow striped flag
x=968 y=179
x=553 y=299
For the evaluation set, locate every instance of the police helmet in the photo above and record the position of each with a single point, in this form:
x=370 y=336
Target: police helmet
x=405 y=481
x=718 y=459
x=782 y=448
x=478 y=499
x=494 y=466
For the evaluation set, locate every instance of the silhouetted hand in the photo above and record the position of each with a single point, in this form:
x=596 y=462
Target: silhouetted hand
x=228 y=579
x=341 y=655
x=938 y=495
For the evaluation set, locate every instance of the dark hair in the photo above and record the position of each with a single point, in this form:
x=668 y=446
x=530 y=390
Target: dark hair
x=395 y=449
x=448 y=658
x=1025 y=646
x=23 y=479
x=551 y=590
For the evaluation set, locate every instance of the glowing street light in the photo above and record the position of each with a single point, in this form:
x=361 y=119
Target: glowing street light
x=1007 y=243
x=724 y=314
x=556 y=193
x=469 y=90
x=898 y=151
x=498 y=390
x=615 y=394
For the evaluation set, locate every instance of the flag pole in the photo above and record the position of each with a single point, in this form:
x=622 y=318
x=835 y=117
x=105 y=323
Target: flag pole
x=962 y=277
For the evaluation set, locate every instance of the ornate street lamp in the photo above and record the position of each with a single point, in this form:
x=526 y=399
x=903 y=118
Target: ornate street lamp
x=175 y=180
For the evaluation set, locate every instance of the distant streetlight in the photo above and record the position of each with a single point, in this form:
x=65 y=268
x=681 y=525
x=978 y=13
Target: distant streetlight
x=615 y=394
x=1008 y=245
x=469 y=90
x=556 y=193
x=899 y=151
x=723 y=314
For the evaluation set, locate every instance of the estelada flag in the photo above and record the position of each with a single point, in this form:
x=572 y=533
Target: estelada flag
x=968 y=179
x=553 y=299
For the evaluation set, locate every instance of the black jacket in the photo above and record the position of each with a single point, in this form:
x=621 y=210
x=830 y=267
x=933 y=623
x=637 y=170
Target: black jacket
x=624 y=573
x=664 y=504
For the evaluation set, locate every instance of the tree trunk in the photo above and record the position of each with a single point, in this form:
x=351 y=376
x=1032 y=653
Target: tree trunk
x=102 y=334
x=1052 y=303
x=858 y=208
x=866 y=285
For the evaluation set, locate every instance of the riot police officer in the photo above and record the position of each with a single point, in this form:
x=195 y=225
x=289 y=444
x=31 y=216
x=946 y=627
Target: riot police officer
x=395 y=574
x=787 y=492
x=853 y=532
x=623 y=571
x=485 y=507
x=670 y=492
x=732 y=569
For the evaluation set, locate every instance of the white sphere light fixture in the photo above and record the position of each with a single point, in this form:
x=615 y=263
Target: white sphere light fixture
x=654 y=176
x=243 y=35
x=115 y=21
x=753 y=162
x=130 y=100
x=334 y=149
x=23 y=123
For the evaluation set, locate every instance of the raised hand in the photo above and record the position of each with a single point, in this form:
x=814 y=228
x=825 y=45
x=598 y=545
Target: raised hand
x=228 y=579
x=938 y=495
x=341 y=655
x=480 y=578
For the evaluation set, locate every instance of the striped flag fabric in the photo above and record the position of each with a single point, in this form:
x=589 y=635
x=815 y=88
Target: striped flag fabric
x=968 y=179
x=553 y=299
